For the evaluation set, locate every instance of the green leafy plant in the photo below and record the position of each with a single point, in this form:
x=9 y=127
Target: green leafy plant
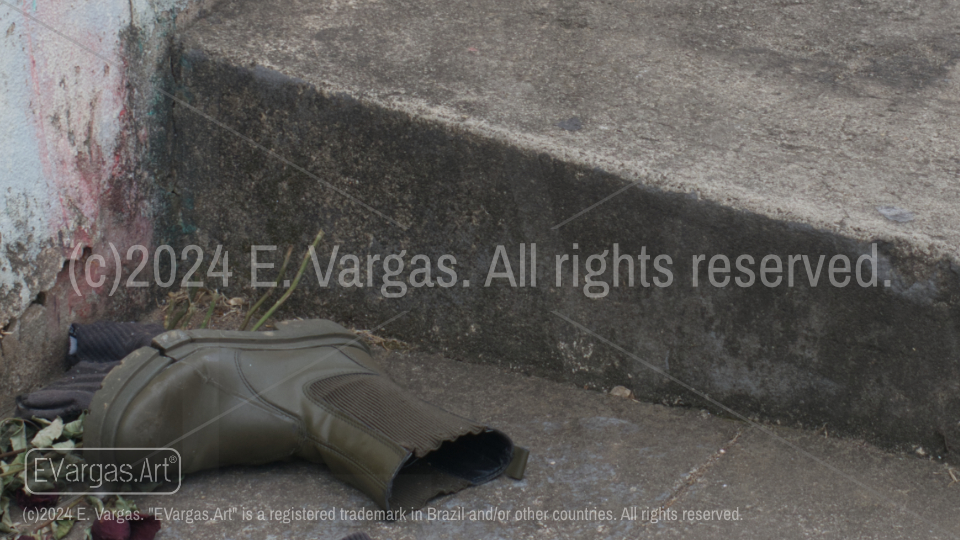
x=17 y=437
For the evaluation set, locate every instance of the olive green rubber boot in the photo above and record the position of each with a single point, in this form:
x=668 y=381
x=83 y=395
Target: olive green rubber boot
x=306 y=390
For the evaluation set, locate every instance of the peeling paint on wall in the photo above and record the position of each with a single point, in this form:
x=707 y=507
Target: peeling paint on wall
x=63 y=125
x=73 y=134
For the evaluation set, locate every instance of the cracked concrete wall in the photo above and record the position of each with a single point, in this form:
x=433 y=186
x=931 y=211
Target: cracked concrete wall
x=80 y=121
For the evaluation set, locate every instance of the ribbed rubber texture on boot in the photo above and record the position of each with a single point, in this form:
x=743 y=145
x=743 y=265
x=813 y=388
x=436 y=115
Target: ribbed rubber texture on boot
x=379 y=403
x=449 y=453
x=95 y=350
x=106 y=341
x=68 y=396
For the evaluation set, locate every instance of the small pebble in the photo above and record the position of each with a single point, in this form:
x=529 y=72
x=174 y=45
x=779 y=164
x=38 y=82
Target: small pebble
x=895 y=213
x=620 y=391
x=571 y=124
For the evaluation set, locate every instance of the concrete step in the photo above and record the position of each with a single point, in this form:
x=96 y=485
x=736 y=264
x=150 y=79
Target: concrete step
x=654 y=128
x=595 y=453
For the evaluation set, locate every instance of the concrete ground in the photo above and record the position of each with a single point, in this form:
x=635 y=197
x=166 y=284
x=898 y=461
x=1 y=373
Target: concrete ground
x=595 y=452
x=614 y=460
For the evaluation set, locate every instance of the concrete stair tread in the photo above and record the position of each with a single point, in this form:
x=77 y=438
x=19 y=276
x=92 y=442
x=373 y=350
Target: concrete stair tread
x=815 y=113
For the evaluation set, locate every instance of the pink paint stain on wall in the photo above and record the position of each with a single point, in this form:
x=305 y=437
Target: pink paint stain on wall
x=85 y=135
x=78 y=101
